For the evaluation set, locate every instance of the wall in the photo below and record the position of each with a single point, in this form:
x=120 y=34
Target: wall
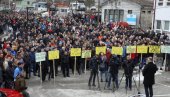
x=124 y=5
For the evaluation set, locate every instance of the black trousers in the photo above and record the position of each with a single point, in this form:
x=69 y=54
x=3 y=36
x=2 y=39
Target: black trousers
x=128 y=81
x=92 y=76
x=148 y=90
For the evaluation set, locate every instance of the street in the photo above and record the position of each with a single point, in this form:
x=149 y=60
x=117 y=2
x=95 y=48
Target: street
x=77 y=86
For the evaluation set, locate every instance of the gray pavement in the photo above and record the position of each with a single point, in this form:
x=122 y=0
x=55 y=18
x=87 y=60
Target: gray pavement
x=77 y=86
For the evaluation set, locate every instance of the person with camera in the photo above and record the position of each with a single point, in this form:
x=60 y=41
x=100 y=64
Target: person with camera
x=128 y=66
x=94 y=62
x=149 y=76
x=114 y=70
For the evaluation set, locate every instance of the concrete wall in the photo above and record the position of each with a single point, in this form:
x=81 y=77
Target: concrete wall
x=146 y=18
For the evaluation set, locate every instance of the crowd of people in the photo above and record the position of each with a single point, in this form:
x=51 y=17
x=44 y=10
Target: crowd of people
x=37 y=34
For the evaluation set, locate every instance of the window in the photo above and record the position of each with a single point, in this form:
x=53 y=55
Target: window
x=129 y=11
x=166 y=26
x=160 y=3
x=28 y=2
x=143 y=11
x=119 y=3
x=149 y=12
x=158 y=26
x=116 y=15
x=168 y=3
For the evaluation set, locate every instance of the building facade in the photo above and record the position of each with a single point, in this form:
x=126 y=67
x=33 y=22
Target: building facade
x=162 y=16
x=119 y=10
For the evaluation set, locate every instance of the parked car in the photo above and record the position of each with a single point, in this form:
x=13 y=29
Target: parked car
x=9 y=93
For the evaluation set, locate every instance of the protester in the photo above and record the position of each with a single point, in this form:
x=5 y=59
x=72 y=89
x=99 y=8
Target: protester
x=63 y=33
x=128 y=71
x=149 y=77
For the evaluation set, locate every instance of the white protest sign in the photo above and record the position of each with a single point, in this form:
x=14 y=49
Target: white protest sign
x=41 y=56
x=165 y=49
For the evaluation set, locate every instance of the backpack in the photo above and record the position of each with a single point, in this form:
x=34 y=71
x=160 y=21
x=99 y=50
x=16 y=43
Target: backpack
x=20 y=84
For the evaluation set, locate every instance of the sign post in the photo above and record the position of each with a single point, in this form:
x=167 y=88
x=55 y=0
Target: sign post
x=39 y=57
x=142 y=50
x=52 y=55
x=75 y=52
x=86 y=54
x=165 y=49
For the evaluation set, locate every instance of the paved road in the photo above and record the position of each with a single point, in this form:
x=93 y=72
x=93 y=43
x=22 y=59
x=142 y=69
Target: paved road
x=77 y=86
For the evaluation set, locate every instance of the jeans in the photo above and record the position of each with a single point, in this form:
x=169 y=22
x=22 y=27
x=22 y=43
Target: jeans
x=101 y=75
x=148 y=90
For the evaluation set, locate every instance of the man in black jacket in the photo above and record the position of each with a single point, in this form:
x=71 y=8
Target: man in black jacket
x=94 y=69
x=149 y=77
x=128 y=70
x=65 y=64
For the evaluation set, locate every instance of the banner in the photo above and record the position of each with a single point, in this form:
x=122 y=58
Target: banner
x=142 y=49
x=53 y=55
x=131 y=49
x=40 y=56
x=86 y=54
x=154 y=49
x=165 y=49
x=75 y=52
x=100 y=50
x=117 y=50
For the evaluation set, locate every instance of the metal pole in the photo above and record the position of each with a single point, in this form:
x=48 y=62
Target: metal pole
x=85 y=65
x=27 y=17
x=41 y=72
x=75 y=66
x=9 y=1
x=98 y=11
x=153 y=23
x=54 y=69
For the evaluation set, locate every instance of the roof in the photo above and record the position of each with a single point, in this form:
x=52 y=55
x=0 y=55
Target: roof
x=62 y=4
x=144 y=3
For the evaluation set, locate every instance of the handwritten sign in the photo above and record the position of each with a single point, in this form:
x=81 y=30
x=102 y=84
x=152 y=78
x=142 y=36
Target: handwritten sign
x=131 y=49
x=142 y=49
x=154 y=49
x=53 y=55
x=75 y=52
x=86 y=54
x=165 y=49
x=40 y=56
x=100 y=50
x=117 y=50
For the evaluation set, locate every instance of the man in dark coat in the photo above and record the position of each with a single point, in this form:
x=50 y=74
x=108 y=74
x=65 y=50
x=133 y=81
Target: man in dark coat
x=94 y=62
x=128 y=70
x=149 y=77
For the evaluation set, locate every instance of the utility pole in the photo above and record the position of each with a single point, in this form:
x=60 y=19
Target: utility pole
x=154 y=9
x=9 y=1
x=98 y=17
